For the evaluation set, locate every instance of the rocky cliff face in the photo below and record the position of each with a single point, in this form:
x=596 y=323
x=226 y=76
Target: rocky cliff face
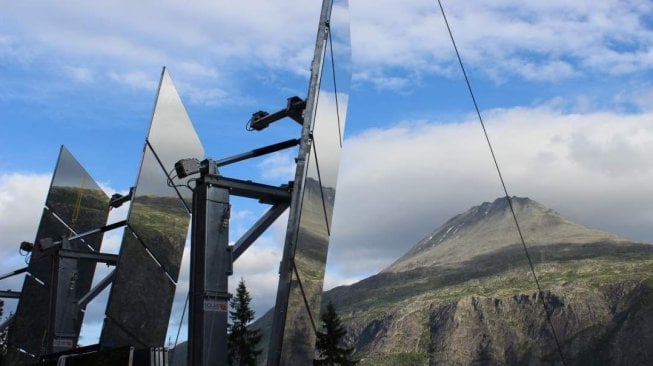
x=465 y=295
x=598 y=327
x=603 y=326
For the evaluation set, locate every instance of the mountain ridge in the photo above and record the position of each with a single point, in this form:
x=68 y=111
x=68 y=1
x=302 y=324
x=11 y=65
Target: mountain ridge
x=489 y=227
x=480 y=305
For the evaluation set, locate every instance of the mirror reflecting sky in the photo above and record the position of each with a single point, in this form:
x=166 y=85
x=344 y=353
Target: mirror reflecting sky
x=328 y=123
x=158 y=220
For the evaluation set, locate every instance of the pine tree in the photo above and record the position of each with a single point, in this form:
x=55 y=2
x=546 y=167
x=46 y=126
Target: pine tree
x=328 y=343
x=242 y=341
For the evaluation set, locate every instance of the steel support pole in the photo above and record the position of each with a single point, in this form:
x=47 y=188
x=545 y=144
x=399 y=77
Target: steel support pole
x=210 y=270
x=286 y=268
x=51 y=343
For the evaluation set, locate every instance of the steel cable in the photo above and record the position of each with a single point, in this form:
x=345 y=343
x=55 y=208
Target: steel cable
x=503 y=184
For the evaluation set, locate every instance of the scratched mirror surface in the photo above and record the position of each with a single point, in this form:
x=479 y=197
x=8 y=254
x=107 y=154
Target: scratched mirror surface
x=151 y=252
x=319 y=193
x=75 y=204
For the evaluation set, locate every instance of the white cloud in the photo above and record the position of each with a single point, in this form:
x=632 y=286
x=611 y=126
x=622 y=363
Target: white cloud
x=278 y=166
x=214 y=45
x=210 y=96
x=195 y=39
x=22 y=197
x=397 y=184
x=195 y=68
x=137 y=80
x=638 y=97
x=533 y=40
x=79 y=74
x=12 y=49
x=21 y=202
x=259 y=267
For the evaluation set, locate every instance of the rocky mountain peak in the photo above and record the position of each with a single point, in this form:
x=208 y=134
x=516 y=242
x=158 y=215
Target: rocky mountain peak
x=464 y=295
x=489 y=227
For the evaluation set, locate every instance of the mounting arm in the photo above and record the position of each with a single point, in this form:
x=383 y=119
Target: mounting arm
x=294 y=109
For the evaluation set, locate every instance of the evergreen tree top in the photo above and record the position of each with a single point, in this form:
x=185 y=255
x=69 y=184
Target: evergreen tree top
x=242 y=341
x=329 y=348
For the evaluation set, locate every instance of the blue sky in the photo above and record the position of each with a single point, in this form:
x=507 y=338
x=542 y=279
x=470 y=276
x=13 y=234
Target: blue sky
x=565 y=87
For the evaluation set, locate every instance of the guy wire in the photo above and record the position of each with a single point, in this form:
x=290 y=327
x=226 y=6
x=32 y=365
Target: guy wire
x=503 y=184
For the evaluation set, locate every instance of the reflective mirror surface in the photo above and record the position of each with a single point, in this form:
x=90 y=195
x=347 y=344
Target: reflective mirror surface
x=314 y=226
x=74 y=204
x=76 y=199
x=150 y=256
x=172 y=137
x=140 y=319
x=158 y=216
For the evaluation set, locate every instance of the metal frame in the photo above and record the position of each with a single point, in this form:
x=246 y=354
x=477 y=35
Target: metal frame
x=258 y=228
x=58 y=339
x=212 y=257
x=96 y=290
x=211 y=266
x=74 y=203
x=286 y=268
x=58 y=251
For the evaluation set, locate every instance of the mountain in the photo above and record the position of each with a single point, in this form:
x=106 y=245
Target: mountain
x=490 y=227
x=464 y=295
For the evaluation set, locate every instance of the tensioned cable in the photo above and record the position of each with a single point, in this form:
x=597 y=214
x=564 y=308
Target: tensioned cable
x=335 y=86
x=503 y=184
x=301 y=289
x=156 y=156
x=319 y=175
x=319 y=179
x=317 y=162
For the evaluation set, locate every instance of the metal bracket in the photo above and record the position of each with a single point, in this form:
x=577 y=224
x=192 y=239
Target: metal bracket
x=104 y=283
x=244 y=188
x=13 y=273
x=294 y=109
x=8 y=294
x=110 y=259
x=258 y=228
x=46 y=244
x=118 y=199
x=258 y=152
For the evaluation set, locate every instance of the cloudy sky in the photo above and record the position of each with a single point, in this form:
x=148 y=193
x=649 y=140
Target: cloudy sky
x=565 y=87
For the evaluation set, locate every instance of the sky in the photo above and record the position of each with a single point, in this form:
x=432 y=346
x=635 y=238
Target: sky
x=565 y=89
